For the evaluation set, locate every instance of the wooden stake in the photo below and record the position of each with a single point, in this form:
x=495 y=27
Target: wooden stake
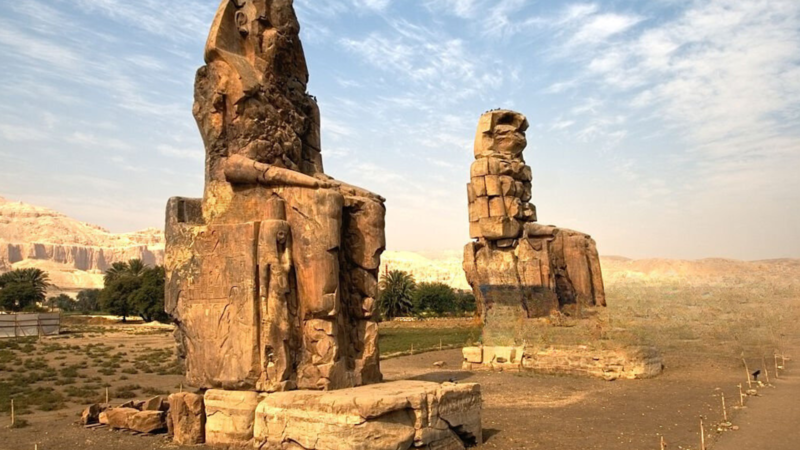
x=663 y=444
x=741 y=396
x=747 y=371
x=724 y=409
x=412 y=348
x=702 y=436
x=13 y=418
x=440 y=345
x=777 y=375
x=106 y=396
x=764 y=365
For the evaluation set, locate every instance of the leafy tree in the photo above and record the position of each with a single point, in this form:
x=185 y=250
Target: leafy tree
x=117 y=295
x=465 y=302
x=434 y=298
x=148 y=301
x=63 y=302
x=88 y=301
x=23 y=289
x=132 y=288
x=397 y=290
x=17 y=297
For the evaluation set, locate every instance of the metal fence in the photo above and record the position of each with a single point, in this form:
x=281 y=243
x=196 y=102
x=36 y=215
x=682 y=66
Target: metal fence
x=21 y=325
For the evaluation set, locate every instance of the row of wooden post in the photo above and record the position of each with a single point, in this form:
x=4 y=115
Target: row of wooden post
x=742 y=394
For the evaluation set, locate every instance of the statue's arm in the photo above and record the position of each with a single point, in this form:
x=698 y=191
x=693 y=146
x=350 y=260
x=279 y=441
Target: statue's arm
x=243 y=170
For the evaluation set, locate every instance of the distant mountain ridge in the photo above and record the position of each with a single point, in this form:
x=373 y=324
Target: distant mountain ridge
x=76 y=254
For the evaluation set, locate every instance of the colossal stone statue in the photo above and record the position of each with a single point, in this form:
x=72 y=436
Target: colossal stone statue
x=518 y=268
x=272 y=276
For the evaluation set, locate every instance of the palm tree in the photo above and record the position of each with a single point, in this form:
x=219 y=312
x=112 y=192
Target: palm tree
x=397 y=290
x=114 y=272
x=22 y=288
x=136 y=267
x=38 y=279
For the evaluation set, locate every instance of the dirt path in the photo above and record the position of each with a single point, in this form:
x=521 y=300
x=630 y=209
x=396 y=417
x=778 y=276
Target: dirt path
x=769 y=421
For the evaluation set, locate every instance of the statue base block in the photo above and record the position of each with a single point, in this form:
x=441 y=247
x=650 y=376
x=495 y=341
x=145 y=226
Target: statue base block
x=396 y=415
x=632 y=363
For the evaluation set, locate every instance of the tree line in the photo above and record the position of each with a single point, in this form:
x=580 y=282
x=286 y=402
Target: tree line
x=130 y=289
x=401 y=296
x=134 y=289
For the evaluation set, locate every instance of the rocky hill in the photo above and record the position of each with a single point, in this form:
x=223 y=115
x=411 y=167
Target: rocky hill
x=74 y=253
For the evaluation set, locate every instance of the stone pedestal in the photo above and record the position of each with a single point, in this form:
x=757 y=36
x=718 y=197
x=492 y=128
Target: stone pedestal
x=630 y=364
x=399 y=415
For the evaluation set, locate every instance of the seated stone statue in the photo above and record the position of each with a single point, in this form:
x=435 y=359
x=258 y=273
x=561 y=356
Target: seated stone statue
x=517 y=267
x=272 y=276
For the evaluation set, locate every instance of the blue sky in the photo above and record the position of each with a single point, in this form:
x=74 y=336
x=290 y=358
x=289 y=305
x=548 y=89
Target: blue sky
x=665 y=128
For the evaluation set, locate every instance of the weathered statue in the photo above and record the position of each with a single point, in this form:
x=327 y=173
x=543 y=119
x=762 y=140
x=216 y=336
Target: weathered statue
x=517 y=267
x=272 y=275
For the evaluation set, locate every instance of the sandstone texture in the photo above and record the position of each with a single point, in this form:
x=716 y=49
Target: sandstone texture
x=631 y=363
x=272 y=276
x=230 y=416
x=399 y=415
x=119 y=418
x=517 y=268
x=187 y=418
x=148 y=422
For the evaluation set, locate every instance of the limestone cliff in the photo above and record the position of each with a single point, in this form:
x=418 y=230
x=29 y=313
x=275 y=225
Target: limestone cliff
x=74 y=253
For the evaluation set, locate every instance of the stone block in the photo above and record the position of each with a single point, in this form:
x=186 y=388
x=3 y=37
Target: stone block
x=475 y=230
x=230 y=416
x=154 y=404
x=481 y=207
x=91 y=414
x=148 y=422
x=480 y=168
x=187 y=417
x=470 y=193
x=479 y=186
x=476 y=212
x=508 y=187
x=493 y=188
x=497 y=207
x=119 y=418
x=397 y=415
x=473 y=354
x=495 y=228
x=514 y=207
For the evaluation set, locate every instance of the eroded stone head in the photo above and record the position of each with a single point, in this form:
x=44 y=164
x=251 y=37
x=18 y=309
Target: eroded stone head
x=501 y=133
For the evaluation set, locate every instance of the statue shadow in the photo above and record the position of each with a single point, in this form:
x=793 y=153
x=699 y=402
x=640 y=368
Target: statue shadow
x=451 y=376
x=489 y=433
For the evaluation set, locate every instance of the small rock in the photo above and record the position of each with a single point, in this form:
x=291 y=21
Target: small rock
x=735 y=428
x=91 y=414
x=439 y=364
x=154 y=404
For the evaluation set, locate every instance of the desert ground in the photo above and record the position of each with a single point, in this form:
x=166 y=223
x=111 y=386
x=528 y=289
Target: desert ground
x=702 y=315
